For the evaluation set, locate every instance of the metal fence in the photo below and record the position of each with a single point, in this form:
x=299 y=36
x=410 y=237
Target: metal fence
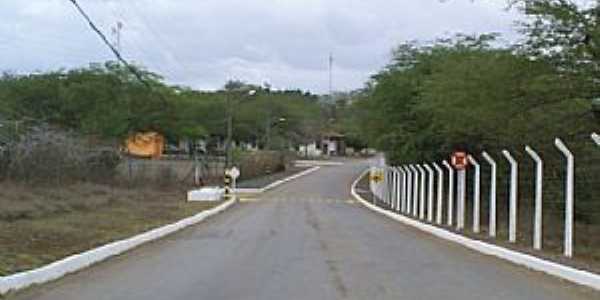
x=547 y=199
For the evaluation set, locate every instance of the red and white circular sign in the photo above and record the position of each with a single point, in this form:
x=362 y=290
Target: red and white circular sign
x=459 y=160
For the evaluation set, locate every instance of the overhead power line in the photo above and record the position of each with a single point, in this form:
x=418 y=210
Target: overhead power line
x=116 y=52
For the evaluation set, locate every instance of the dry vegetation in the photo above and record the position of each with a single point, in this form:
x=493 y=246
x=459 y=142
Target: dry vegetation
x=39 y=225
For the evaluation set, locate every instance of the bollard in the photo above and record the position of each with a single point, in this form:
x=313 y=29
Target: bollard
x=514 y=173
x=450 y=192
x=493 y=175
x=569 y=196
x=537 y=220
x=476 y=194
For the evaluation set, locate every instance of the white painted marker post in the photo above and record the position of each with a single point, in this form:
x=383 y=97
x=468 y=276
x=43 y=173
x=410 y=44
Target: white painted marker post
x=430 y=183
x=492 y=218
x=569 y=196
x=423 y=176
x=514 y=180
x=476 y=194
x=440 y=192
x=537 y=220
x=450 y=192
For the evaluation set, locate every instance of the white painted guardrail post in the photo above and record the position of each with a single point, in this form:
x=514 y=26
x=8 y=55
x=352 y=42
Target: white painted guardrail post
x=392 y=186
x=493 y=175
x=415 y=195
x=514 y=180
x=476 y=194
x=450 y=192
x=596 y=138
x=430 y=182
x=440 y=192
x=423 y=176
x=537 y=220
x=407 y=197
x=569 y=196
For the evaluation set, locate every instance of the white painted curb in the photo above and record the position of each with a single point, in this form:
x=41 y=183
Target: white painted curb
x=568 y=273
x=276 y=183
x=81 y=261
x=318 y=163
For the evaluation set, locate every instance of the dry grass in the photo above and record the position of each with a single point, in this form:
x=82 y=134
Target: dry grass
x=39 y=225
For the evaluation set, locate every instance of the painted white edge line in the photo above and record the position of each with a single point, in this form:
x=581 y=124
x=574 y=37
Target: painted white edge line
x=564 y=272
x=276 y=183
x=81 y=261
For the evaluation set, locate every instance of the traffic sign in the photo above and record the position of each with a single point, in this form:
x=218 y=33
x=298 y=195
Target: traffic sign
x=459 y=160
x=377 y=176
x=234 y=172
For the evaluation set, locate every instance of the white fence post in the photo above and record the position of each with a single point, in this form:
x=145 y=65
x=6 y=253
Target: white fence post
x=596 y=138
x=514 y=180
x=450 y=192
x=399 y=176
x=423 y=188
x=539 y=173
x=403 y=190
x=493 y=175
x=461 y=198
x=415 y=195
x=476 y=194
x=440 y=192
x=569 y=196
x=392 y=187
x=430 y=180
x=409 y=185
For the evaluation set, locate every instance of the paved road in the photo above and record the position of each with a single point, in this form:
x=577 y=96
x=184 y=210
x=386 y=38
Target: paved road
x=306 y=240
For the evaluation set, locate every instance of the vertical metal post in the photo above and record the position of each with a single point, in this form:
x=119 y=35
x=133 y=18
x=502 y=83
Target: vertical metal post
x=430 y=182
x=400 y=190
x=476 y=194
x=569 y=196
x=514 y=180
x=596 y=138
x=492 y=224
x=404 y=179
x=450 y=192
x=461 y=198
x=422 y=190
x=537 y=220
x=408 y=188
x=415 y=191
x=440 y=192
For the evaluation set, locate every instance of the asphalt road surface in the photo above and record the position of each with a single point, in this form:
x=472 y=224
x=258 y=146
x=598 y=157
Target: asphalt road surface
x=306 y=240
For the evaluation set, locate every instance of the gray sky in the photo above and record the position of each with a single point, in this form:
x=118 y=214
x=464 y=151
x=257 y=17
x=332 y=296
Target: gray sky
x=203 y=43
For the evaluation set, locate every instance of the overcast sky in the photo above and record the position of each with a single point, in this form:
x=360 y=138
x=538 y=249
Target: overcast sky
x=202 y=43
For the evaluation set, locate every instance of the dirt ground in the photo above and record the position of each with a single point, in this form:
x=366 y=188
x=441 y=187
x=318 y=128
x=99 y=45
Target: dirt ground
x=39 y=225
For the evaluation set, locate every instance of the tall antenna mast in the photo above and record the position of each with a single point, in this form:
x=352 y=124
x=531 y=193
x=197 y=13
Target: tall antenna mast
x=116 y=31
x=330 y=76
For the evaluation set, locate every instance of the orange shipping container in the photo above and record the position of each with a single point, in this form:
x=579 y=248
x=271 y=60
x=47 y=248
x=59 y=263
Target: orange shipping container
x=147 y=145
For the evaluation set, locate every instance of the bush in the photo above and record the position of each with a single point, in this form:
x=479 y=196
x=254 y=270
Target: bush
x=49 y=155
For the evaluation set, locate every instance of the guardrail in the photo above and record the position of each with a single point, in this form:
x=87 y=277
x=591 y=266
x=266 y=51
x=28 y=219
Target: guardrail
x=430 y=191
